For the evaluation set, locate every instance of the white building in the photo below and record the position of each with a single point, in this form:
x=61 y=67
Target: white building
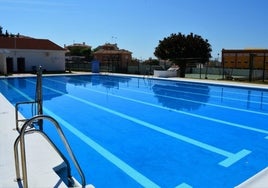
x=21 y=54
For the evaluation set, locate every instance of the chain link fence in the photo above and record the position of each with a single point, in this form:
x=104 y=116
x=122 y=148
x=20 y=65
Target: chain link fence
x=195 y=71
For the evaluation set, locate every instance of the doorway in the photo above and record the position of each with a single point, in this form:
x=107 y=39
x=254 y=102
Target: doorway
x=20 y=64
x=9 y=65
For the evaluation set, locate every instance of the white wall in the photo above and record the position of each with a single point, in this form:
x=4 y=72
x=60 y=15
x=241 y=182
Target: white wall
x=165 y=73
x=50 y=60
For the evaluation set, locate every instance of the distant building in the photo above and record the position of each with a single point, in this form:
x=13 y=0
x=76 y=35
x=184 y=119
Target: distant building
x=240 y=58
x=74 y=52
x=77 y=44
x=115 y=59
x=24 y=54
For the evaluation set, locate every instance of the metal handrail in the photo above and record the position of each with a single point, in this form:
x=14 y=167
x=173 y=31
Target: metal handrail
x=39 y=96
x=38 y=101
x=21 y=140
x=16 y=155
x=17 y=112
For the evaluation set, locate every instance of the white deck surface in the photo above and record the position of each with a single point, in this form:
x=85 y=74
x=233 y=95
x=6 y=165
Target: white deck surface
x=260 y=180
x=41 y=158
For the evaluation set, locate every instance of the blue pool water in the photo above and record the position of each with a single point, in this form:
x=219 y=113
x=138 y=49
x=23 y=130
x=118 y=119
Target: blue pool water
x=140 y=132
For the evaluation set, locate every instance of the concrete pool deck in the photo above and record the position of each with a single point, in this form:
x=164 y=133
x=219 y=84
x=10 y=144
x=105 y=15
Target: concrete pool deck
x=41 y=158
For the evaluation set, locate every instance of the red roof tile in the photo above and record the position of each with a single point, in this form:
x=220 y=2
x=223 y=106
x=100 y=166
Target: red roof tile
x=28 y=43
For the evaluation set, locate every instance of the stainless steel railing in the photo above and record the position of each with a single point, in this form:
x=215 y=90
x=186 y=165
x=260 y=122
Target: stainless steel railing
x=27 y=129
x=37 y=104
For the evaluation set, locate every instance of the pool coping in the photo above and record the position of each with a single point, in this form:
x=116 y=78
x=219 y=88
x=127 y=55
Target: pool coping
x=259 y=180
x=49 y=177
x=193 y=80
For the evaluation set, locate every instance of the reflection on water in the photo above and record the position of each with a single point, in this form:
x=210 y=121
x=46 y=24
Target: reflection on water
x=169 y=94
x=24 y=89
x=248 y=98
x=22 y=83
x=104 y=80
x=180 y=97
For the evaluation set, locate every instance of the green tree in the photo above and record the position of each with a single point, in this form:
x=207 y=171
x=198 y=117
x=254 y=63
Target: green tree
x=7 y=34
x=151 y=61
x=181 y=49
x=80 y=51
x=1 y=30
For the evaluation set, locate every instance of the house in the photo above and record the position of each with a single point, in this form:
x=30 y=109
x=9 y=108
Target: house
x=245 y=63
x=113 y=58
x=77 y=53
x=24 y=54
x=240 y=58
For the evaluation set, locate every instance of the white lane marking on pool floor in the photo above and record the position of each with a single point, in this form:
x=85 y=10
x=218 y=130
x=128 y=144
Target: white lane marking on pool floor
x=182 y=112
x=231 y=158
x=183 y=185
x=186 y=113
x=197 y=102
x=137 y=176
x=141 y=179
x=195 y=115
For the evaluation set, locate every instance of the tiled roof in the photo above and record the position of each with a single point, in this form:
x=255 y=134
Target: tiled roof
x=103 y=51
x=111 y=49
x=28 y=43
x=246 y=50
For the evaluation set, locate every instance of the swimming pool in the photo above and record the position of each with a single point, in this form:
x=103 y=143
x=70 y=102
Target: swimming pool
x=140 y=132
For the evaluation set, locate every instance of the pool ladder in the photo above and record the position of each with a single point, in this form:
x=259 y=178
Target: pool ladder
x=27 y=128
x=37 y=104
x=35 y=125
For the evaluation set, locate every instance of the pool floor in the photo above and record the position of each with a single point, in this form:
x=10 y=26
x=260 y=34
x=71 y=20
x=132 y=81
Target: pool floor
x=139 y=132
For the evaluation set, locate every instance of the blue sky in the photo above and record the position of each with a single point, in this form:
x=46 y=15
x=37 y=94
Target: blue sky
x=138 y=25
